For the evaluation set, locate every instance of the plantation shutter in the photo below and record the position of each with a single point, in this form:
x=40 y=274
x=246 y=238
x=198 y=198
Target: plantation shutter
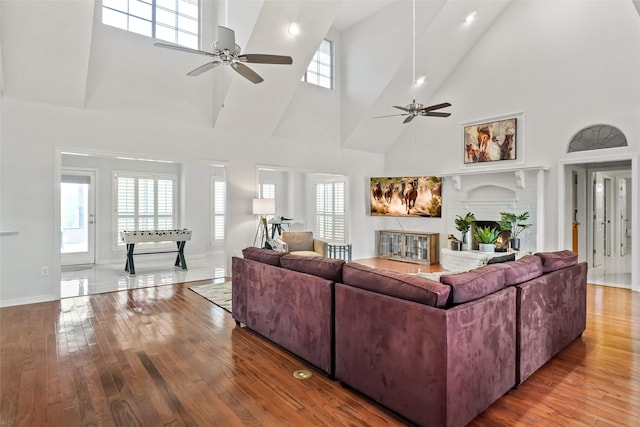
x=330 y=211
x=143 y=202
x=218 y=208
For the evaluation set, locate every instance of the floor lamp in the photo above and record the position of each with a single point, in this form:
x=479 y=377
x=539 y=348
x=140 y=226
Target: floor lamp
x=263 y=207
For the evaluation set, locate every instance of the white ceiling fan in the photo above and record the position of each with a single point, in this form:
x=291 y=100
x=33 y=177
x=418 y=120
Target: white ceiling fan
x=415 y=109
x=227 y=52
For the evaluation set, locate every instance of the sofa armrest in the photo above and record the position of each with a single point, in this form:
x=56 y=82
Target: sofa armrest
x=321 y=247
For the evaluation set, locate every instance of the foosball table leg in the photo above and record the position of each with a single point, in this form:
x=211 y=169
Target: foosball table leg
x=129 y=268
x=181 y=262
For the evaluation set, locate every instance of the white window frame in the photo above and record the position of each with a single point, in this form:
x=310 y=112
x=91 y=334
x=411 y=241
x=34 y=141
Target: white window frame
x=267 y=191
x=218 y=209
x=314 y=67
x=132 y=11
x=333 y=213
x=137 y=176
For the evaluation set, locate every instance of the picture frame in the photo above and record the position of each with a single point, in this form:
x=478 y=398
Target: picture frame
x=414 y=196
x=492 y=140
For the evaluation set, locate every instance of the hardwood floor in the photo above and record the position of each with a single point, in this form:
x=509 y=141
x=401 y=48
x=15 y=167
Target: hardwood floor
x=167 y=356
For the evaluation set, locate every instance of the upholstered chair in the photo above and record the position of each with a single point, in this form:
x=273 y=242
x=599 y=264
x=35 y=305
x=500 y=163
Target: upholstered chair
x=303 y=243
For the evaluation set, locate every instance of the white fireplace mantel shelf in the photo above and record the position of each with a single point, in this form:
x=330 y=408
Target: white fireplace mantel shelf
x=518 y=173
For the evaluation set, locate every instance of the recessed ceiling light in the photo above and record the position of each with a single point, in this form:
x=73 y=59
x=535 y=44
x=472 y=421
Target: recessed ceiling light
x=294 y=29
x=470 y=18
x=420 y=81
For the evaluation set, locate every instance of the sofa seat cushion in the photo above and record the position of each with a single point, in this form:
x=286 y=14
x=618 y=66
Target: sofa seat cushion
x=265 y=256
x=399 y=285
x=306 y=254
x=526 y=268
x=474 y=284
x=330 y=269
x=552 y=261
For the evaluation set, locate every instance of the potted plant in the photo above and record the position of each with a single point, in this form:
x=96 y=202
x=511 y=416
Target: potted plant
x=463 y=225
x=514 y=224
x=486 y=237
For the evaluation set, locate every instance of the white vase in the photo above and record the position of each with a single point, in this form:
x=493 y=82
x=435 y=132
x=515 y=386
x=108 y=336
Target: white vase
x=486 y=247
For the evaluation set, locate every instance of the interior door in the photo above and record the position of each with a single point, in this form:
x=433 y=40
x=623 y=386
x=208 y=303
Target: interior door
x=77 y=215
x=598 y=220
x=622 y=214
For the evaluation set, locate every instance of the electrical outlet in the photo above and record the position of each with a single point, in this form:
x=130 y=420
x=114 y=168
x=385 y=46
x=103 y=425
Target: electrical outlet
x=44 y=271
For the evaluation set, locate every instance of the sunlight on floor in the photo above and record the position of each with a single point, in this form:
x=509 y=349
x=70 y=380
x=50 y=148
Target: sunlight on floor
x=100 y=278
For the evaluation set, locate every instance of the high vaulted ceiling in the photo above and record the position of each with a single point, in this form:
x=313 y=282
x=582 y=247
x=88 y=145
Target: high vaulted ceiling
x=58 y=52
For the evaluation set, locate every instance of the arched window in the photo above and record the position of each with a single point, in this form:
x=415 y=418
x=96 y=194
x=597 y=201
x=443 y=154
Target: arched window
x=597 y=137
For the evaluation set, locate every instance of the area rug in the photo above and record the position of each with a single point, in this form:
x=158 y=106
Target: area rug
x=217 y=293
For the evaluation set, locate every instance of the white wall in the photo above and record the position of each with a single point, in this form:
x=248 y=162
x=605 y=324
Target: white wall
x=564 y=65
x=30 y=152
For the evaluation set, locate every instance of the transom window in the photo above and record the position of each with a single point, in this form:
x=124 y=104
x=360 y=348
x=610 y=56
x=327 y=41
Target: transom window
x=320 y=70
x=175 y=21
x=143 y=202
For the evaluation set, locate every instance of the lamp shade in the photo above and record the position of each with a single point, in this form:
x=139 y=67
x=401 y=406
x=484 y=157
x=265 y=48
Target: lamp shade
x=264 y=206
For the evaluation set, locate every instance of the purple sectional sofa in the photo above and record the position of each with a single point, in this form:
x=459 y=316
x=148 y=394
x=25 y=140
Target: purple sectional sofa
x=437 y=353
x=289 y=300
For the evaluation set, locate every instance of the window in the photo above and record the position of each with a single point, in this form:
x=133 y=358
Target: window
x=330 y=211
x=176 y=21
x=143 y=202
x=218 y=208
x=267 y=191
x=320 y=70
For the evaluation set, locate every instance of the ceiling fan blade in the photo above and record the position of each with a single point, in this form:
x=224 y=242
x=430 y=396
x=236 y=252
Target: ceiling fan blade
x=246 y=72
x=390 y=115
x=201 y=69
x=435 y=114
x=183 y=49
x=436 y=107
x=258 y=58
x=226 y=39
x=408 y=119
x=401 y=108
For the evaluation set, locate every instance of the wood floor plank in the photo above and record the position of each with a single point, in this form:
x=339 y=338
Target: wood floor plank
x=166 y=356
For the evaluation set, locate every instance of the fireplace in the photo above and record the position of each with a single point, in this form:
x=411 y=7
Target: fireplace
x=502 y=245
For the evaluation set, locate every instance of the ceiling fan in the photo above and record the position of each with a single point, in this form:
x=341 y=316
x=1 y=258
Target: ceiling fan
x=227 y=52
x=415 y=109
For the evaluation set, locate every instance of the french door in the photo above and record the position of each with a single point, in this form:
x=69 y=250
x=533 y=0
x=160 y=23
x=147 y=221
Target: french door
x=77 y=214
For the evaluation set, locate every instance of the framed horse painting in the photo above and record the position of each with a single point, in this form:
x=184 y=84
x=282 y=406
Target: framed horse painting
x=490 y=141
x=406 y=196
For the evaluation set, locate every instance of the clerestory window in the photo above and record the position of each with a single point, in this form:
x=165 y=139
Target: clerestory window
x=320 y=70
x=175 y=21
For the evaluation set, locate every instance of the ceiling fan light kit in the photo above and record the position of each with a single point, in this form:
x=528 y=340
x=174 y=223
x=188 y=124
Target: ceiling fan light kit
x=227 y=52
x=415 y=109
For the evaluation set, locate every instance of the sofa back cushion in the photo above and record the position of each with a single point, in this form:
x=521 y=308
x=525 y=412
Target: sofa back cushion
x=474 y=284
x=330 y=269
x=298 y=240
x=265 y=256
x=526 y=268
x=552 y=261
x=399 y=285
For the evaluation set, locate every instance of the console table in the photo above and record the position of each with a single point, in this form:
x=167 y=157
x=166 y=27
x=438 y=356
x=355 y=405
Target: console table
x=133 y=237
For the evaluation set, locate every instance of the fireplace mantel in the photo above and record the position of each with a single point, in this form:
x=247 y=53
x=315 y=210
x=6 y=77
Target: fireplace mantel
x=517 y=174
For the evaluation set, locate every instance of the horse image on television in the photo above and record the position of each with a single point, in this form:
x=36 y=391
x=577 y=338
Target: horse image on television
x=406 y=196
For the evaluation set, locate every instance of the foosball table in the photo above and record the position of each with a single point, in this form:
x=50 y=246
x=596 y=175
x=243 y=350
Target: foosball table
x=130 y=238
